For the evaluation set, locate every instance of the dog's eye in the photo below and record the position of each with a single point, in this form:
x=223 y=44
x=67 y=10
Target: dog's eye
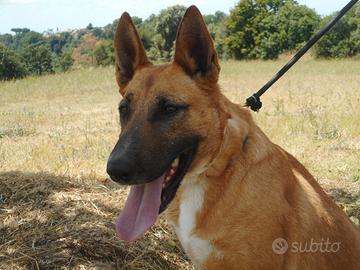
x=169 y=109
x=124 y=108
x=166 y=109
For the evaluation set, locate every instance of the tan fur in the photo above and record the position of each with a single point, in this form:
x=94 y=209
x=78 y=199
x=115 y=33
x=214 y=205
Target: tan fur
x=254 y=191
x=255 y=197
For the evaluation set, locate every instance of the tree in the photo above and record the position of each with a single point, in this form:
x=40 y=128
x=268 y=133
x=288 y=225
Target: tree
x=64 y=61
x=83 y=54
x=287 y=29
x=216 y=18
x=32 y=38
x=216 y=24
x=98 y=32
x=10 y=64
x=90 y=27
x=266 y=28
x=136 y=20
x=7 y=40
x=343 y=40
x=19 y=33
x=147 y=33
x=166 y=27
x=58 y=41
x=37 y=59
x=100 y=54
x=109 y=30
x=104 y=54
x=243 y=27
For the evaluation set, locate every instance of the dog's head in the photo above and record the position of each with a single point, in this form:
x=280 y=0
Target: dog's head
x=170 y=118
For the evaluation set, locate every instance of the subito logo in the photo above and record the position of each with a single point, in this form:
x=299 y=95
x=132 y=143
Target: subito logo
x=280 y=246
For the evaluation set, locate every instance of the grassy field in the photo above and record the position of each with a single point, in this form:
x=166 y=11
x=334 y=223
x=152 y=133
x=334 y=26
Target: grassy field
x=57 y=207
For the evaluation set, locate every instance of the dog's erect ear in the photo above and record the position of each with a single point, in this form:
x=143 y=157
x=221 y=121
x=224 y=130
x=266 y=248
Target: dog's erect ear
x=194 y=50
x=129 y=51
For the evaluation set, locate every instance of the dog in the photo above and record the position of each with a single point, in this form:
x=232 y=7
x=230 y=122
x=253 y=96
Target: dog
x=235 y=199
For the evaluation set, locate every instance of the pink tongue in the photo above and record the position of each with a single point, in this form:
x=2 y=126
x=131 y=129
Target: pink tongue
x=140 y=211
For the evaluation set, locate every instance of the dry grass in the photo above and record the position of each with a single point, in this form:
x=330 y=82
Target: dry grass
x=58 y=222
x=57 y=210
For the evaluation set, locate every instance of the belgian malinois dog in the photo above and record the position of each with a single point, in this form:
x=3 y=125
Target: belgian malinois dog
x=235 y=199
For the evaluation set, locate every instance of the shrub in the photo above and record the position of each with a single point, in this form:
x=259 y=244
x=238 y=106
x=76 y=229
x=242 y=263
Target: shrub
x=10 y=64
x=37 y=59
x=343 y=40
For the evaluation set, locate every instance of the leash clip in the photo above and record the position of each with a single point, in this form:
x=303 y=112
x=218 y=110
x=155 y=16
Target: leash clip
x=254 y=103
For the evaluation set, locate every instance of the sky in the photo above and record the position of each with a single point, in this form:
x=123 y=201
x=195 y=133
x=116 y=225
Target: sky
x=42 y=15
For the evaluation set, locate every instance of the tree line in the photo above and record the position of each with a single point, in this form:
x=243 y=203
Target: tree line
x=254 y=29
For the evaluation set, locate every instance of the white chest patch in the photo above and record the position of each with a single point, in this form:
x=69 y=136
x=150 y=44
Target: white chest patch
x=191 y=202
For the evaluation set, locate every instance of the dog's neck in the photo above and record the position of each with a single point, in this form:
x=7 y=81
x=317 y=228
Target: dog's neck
x=242 y=142
x=242 y=139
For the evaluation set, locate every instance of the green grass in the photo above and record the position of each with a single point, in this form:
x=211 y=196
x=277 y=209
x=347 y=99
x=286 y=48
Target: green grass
x=58 y=131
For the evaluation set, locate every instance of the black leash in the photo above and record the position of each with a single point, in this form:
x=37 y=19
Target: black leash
x=254 y=101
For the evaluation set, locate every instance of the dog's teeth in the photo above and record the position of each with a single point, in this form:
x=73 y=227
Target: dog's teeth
x=175 y=163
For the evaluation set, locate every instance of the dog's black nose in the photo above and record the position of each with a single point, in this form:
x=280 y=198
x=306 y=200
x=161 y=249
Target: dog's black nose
x=119 y=170
x=121 y=166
